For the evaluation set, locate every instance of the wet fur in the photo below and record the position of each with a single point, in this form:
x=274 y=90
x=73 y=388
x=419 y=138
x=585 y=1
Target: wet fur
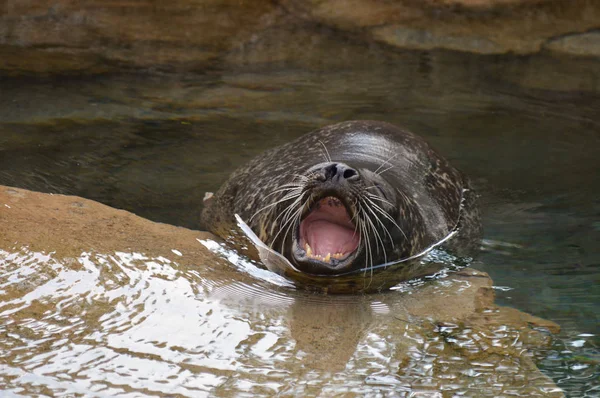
x=400 y=173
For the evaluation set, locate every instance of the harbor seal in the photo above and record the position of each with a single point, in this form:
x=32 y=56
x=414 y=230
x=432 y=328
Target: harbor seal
x=349 y=197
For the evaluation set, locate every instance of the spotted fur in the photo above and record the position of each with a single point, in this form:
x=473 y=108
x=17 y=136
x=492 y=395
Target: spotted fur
x=430 y=197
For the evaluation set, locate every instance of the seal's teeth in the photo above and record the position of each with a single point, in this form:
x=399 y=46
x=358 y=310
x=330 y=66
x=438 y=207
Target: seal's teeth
x=327 y=258
x=308 y=250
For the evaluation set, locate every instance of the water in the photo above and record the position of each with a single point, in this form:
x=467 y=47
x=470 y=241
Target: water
x=525 y=129
x=133 y=325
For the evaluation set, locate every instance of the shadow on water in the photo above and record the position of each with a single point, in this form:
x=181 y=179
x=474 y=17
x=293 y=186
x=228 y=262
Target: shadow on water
x=526 y=129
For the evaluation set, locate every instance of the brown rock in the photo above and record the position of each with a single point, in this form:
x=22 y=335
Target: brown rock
x=482 y=26
x=587 y=44
x=80 y=279
x=69 y=225
x=171 y=34
x=101 y=35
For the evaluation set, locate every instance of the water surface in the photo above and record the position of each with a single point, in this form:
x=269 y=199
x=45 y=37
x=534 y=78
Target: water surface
x=525 y=129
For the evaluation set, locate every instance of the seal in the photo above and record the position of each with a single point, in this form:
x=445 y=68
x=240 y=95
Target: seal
x=349 y=197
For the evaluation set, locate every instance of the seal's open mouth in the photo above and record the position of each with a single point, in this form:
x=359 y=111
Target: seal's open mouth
x=327 y=233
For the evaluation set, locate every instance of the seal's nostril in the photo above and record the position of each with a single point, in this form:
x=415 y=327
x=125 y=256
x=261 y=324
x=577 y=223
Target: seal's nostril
x=348 y=173
x=331 y=171
x=339 y=172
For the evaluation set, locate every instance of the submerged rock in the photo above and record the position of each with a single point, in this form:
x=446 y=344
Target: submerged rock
x=95 y=298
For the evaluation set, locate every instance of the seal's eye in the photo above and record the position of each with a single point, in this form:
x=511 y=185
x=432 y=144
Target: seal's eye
x=378 y=186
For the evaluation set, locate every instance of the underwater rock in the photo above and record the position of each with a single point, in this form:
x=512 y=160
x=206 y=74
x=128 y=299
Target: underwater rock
x=94 y=298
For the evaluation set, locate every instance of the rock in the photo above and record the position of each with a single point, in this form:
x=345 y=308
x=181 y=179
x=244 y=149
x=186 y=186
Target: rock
x=481 y=26
x=587 y=44
x=94 y=298
x=69 y=225
x=100 y=36
x=403 y=37
x=560 y=76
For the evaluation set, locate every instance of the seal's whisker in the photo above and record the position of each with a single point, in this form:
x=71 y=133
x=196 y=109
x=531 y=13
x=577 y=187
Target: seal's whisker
x=354 y=217
x=288 y=210
x=366 y=217
x=362 y=239
x=284 y=216
x=379 y=210
x=289 y=220
x=296 y=218
x=373 y=196
x=378 y=241
x=288 y=196
x=327 y=157
x=379 y=198
x=384 y=170
x=292 y=184
x=370 y=251
x=289 y=190
x=381 y=237
x=299 y=188
x=289 y=214
x=382 y=225
x=367 y=243
x=386 y=215
x=384 y=163
x=300 y=177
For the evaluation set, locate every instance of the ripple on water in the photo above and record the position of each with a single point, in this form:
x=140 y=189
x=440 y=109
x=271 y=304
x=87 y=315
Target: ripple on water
x=88 y=324
x=126 y=323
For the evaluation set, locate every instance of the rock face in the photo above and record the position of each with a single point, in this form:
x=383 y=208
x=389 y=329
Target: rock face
x=99 y=35
x=481 y=26
x=578 y=44
x=95 y=298
x=62 y=36
x=69 y=225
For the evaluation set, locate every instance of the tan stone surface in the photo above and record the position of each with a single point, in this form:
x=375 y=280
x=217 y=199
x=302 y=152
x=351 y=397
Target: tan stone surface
x=104 y=299
x=69 y=225
x=482 y=26
x=179 y=33
x=587 y=44
x=102 y=35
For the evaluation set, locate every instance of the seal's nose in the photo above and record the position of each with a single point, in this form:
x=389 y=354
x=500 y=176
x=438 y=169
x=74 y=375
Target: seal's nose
x=338 y=172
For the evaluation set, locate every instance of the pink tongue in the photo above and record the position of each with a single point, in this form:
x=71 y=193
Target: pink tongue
x=325 y=237
x=328 y=229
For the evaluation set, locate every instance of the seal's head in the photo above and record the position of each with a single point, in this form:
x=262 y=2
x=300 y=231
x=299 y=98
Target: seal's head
x=381 y=198
x=338 y=219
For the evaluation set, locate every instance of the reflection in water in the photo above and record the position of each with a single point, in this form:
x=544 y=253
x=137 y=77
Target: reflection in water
x=127 y=323
x=526 y=129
